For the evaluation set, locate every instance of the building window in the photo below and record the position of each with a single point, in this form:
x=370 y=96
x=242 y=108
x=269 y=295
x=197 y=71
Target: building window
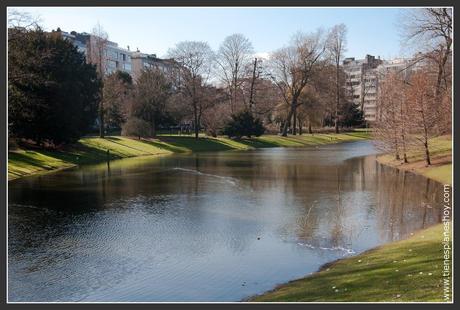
x=112 y=54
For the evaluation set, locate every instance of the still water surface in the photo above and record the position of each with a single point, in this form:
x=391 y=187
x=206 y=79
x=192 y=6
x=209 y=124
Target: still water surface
x=205 y=227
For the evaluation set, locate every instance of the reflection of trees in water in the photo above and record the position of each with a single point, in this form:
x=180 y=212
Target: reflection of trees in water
x=320 y=202
x=337 y=235
x=396 y=202
x=405 y=202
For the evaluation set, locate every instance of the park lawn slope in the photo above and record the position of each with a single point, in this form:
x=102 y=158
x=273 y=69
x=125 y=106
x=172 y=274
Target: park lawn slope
x=86 y=151
x=441 y=160
x=403 y=271
x=90 y=150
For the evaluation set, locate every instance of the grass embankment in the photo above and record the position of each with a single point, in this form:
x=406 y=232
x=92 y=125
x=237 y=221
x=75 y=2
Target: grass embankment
x=92 y=150
x=407 y=270
x=441 y=160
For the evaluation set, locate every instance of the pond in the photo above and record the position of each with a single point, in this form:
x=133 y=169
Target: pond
x=205 y=227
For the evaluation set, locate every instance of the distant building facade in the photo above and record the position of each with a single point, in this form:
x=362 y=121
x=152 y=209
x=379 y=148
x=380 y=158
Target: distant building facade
x=143 y=61
x=118 y=58
x=362 y=84
x=362 y=80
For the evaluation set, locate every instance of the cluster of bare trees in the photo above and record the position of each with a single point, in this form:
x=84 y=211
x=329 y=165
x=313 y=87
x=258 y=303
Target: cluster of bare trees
x=300 y=85
x=288 y=90
x=415 y=103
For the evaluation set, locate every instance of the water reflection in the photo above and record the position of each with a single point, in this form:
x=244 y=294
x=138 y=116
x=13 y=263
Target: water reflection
x=205 y=227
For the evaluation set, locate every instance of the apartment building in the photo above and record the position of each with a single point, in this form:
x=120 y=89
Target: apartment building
x=142 y=61
x=363 y=79
x=118 y=58
x=362 y=83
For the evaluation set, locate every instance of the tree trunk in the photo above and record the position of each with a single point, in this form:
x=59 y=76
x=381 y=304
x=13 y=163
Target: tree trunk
x=101 y=114
x=251 y=96
x=309 y=128
x=441 y=66
x=154 y=131
x=405 y=155
x=101 y=120
x=337 y=103
x=289 y=117
x=235 y=87
x=300 y=127
x=195 y=115
x=427 y=153
x=294 y=122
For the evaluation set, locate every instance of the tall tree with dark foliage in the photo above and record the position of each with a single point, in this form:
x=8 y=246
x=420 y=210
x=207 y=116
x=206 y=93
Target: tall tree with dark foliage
x=52 y=91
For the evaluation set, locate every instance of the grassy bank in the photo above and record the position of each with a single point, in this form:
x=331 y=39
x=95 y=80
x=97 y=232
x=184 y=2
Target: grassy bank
x=407 y=270
x=92 y=150
x=441 y=158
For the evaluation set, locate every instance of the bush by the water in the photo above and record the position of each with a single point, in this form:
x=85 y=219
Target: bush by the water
x=136 y=127
x=243 y=124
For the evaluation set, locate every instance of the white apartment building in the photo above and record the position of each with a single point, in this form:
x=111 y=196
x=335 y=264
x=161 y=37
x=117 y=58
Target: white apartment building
x=118 y=58
x=363 y=80
x=142 y=61
x=362 y=84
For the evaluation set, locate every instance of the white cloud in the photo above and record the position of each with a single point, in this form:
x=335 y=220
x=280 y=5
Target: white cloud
x=262 y=55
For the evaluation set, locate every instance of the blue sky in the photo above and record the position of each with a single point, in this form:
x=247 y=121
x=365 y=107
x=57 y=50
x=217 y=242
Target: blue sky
x=154 y=30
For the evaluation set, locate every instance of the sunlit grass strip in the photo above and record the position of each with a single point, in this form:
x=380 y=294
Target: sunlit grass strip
x=442 y=174
x=441 y=157
x=408 y=270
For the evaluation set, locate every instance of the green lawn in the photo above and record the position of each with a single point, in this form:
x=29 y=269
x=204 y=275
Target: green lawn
x=87 y=150
x=408 y=270
x=93 y=149
x=442 y=174
x=441 y=158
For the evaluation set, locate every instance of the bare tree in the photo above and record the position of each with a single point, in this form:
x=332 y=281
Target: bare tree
x=254 y=77
x=396 y=87
x=387 y=126
x=311 y=110
x=22 y=19
x=97 y=55
x=336 y=46
x=403 y=116
x=233 y=59
x=218 y=113
x=292 y=68
x=21 y=25
x=118 y=95
x=194 y=60
x=433 y=27
x=152 y=93
x=422 y=98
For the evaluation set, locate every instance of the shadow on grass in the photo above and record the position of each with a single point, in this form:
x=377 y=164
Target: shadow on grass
x=164 y=146
x=81 y=154
x=175 y=144
x=115 y=140
x=24 y=159
x=256 y=143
